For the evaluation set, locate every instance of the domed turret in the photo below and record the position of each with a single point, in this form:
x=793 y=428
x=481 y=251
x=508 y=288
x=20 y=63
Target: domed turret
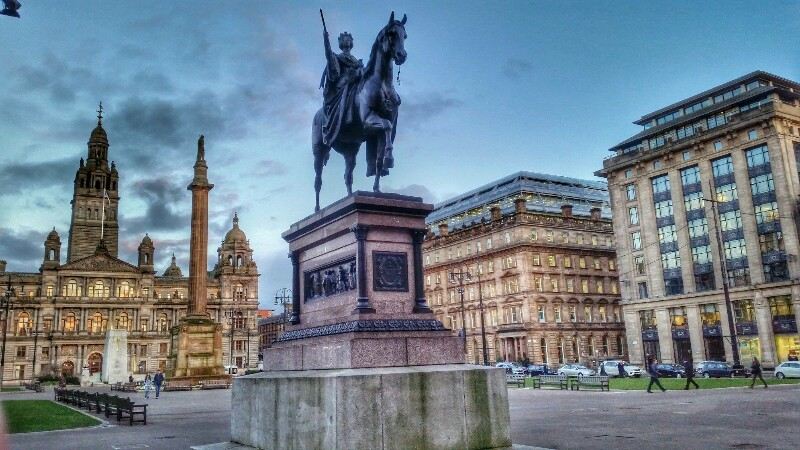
x=52 y=250
x=235 y=234
x=173 y=271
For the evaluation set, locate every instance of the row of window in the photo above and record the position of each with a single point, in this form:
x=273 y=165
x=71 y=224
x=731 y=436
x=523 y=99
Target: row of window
x=544 y=314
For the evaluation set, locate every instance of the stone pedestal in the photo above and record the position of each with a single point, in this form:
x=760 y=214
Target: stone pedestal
x=432 y=407
x=115 y=357
x=196 y=350
x=358 y=298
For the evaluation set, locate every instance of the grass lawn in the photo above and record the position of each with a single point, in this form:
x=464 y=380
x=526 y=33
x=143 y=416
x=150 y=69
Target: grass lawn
x=12 y=389
x=25 y=416
x=679 y=383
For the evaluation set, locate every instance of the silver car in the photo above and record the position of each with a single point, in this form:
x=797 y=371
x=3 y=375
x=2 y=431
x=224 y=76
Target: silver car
x=575 y=370
x=788 y=369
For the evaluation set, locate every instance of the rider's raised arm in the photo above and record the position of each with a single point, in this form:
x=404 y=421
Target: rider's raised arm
x=333 y=62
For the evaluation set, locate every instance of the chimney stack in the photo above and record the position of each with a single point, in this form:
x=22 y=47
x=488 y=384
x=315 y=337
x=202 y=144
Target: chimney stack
x=519 y=205
x=566 y=210
x=496 y=213
x=443 y=229
x=595 y=212
x=2 y=266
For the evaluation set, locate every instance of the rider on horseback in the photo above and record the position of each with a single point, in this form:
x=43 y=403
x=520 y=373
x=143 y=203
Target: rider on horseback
x=340 y=82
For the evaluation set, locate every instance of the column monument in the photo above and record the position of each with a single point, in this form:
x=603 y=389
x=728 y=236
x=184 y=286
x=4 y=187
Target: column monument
x=196 y=341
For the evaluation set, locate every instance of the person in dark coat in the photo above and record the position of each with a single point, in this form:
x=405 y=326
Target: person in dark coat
x=158 y=380
x=621 y=369
x=651 y=369
x=755 y=371
x=688 y=366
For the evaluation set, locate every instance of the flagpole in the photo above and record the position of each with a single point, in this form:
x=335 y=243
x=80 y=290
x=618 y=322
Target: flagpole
x=103 y=214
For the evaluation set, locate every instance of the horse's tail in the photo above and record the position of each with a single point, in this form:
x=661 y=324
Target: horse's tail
x=318 y=146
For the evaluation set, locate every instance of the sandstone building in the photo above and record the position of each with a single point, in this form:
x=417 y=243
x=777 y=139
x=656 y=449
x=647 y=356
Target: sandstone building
x=540 y=252
x=737 y=144
x=60 y=315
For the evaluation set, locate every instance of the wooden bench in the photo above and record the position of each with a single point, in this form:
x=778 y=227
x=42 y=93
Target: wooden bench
x=518 y=379
x=552 y=380
x=215 y=384
x=127 y=409
x=182 y=385
x=116 y=386
x=129 y=387
x=591 y=382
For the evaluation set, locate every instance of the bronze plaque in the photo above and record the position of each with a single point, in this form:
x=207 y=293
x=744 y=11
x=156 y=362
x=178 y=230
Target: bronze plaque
x=389 y=271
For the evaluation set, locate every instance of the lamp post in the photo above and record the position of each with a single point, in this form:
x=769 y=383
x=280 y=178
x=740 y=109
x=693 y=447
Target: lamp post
x=726 y=293
x=458 y=277
x=6 y=303
x=283 y=297
x=232 y=325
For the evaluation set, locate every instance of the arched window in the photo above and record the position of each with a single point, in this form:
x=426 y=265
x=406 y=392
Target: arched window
x=98 y=289
x=230 y=260
x=122 y=321
x=51 y=255
x=124 y=290
x=23 y=324
x=605 y=345
x=163 y=324
x=238 y=321
x=71 y=289
x=69 y=323
x=239 y=261
x=96 y=323
x=97 y=184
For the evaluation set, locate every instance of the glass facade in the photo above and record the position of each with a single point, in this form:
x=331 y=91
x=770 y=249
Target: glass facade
x=730 y=218
x=694 y=203
x=667 y=237
x=765 y=208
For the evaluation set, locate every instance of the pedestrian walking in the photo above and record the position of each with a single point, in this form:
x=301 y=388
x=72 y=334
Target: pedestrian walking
x=755 y=371
x=651 y=369
x=148 y=385
x=688 y=366
x=157 y=380
x=621 y=369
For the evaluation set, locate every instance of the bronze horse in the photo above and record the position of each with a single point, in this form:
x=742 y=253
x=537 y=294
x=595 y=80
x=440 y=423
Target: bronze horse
x=375 y=113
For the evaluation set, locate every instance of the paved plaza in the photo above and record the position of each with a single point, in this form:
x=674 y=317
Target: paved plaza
x=737 y=418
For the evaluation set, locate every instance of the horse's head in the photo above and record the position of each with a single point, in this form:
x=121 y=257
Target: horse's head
x=394 y=37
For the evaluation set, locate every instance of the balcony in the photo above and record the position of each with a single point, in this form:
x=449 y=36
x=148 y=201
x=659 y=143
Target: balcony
x=746 y=328
x=712 y=330
x=511 y=327
x=680 y=333
x=784 y=324
x=650 y=334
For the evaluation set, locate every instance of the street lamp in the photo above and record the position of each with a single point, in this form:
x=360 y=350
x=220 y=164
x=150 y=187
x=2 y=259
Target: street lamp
x=283 y=297
x=458 y=277
x=6 y=303
x=232 y=325
x=726 y=293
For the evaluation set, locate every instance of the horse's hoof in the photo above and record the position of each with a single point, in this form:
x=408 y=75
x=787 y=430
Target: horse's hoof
x=316 y=208
x=388 y=162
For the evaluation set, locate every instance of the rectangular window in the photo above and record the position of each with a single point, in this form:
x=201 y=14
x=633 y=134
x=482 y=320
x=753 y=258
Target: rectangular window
x=630 y=192
x=768 y=212
x=549 y=236
x=596 y=263
x=536 y=259
x=660 y=184
x=540 y=313
x=731 y=220
x=567 y=261
x=743 y=311
x=758 y=156
x=690 y=175
x=718 y=145
x=752 y=135
x=636 y=243
x=693 y=201
x=537 y=284
x=598 y=285
x=582 y=262
x=534 y=235
x=554 y=284
x=702 y=254
x=490 y=266
x=657 y=164
x=663 y=209
x=594 y=240
x=612 y=264
x=614 y=287
x=489 y=244
x=762 y=184
x=687 y=155
x=735 y=249
x=551 y=260
x=570 y=285
x=722 y=166
x=638 y=264
x=671 y=260
x=557 y=313
x=698 y=228
x=580 y=239
x=726 y=192
x=643 y=289
x=573 y=313
x=601 y=313
x=587 y=314
x=677 y=316
x=628 y=173
x=667 y=234
x=633 y=216
x=585 y=286
x=21 y=351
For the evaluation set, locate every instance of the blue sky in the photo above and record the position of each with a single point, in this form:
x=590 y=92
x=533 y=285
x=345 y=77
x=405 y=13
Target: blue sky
x=489 y=88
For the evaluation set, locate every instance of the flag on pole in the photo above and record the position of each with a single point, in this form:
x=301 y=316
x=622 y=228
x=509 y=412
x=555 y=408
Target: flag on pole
x=103 y=213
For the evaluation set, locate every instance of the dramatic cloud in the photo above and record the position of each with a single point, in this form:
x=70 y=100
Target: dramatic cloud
x=269 y=168
x=515 y=68
x=23 y=250
x=423 y=109
x=166 y=208
x=416 y=190
x=24 y=177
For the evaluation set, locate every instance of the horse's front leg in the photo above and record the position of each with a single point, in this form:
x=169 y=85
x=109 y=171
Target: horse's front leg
x=388 y=158
x=376 y=185
x=349 y=165
x=321 y=154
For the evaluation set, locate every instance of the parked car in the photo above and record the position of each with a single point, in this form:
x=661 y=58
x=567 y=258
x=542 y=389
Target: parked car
x=505 y=365
x=575 y=370
x=740 y=371
x=517 y=370
x=788 y=369
x=671 y=370
x=716 y=369
x=611 y=368
x=539 y=369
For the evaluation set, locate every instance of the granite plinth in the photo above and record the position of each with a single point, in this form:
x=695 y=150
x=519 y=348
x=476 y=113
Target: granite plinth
x=196 y=351
x=432 y=407
x=115 y=357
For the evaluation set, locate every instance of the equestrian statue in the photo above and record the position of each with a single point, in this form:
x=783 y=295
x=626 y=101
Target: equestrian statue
x=360 y=104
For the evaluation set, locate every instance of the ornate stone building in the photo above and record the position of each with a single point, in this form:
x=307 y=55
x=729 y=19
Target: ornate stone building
x=540 y=253
x=737 y=144
x=59 y=317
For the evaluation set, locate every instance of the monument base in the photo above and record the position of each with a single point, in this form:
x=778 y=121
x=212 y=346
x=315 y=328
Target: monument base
x=196 y=350
x=115 y=357
x=434 y=407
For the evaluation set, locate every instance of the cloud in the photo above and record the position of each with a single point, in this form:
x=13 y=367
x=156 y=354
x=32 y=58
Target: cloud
x=515 y=68
x=166 y=208
x=61 y=80
x=23 y=250
x=416 y=190
x=418 y=113
x=18 y=177
x=270 y=168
